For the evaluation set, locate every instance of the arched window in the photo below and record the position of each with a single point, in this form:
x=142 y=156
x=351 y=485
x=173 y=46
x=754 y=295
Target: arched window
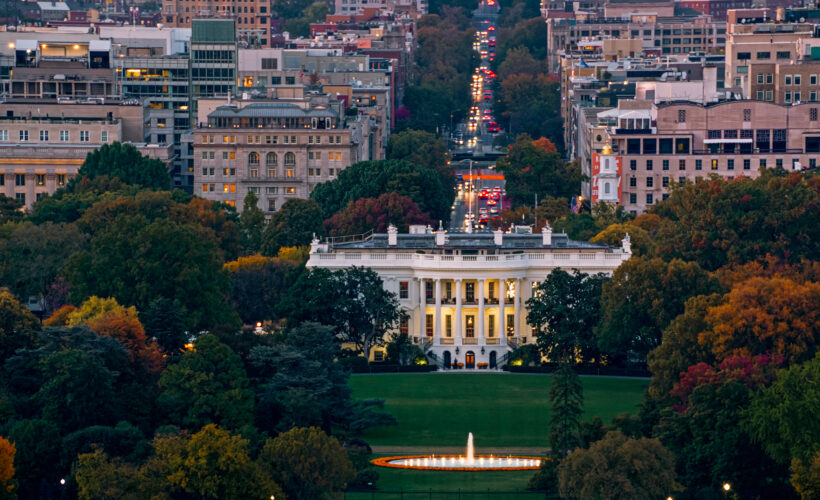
x=253 y=159
x=271 y=159
x=290 y=159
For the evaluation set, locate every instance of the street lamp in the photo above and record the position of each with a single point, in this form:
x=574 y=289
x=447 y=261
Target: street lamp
x=727 y=487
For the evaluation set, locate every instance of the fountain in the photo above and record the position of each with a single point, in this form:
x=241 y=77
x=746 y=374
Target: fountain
x=468 y=462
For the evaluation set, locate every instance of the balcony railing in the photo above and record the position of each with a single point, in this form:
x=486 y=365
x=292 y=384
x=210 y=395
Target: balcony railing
x=470 y=341
x=446 y=341
x=605 y=258
x=492 y=341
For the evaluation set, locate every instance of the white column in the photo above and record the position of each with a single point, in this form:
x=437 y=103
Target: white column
x=459 y=334
x=422 y=310
x=517 y=305
x=481 y=340
x=502 y=317
x=438 y=312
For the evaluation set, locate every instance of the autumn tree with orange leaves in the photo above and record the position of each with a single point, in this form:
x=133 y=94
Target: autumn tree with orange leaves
x=7 y=485
x=765 y=316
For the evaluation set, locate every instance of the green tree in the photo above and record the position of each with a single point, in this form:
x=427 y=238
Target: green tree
x=777 y=418
x=567 y=406
x=10 y=210
x=565 y=309
x=422 y=148
x=123 y=162
x=164 y=320
x=251 y=224
x=371 y=179
x=99 y=476
x=136 y=261
x=353 y=300
x=18 y=327
x=207 y=385
x=533 y=171
x=530 y=104
x=618 y=467
x=258 y=284
x=613 y=234
x=520 y=60
x=38 y=451
x=294 y=224
x=642 y=298
x=309 y=464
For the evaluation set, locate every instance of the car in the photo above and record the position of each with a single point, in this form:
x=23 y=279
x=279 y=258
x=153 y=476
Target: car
x=493 y=211
x=492 y=202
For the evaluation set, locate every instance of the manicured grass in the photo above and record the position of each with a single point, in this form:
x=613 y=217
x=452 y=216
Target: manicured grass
x=434 y=484
x=501 y=410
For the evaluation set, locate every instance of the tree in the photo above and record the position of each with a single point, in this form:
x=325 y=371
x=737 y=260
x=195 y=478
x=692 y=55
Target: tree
x=530 y=104
x=565 y=309
x=715 y=222
x=123 y=162
x=37 y=444
x=99 y=476
x=17 y=325
x=301 y=383
x=618 y=467
x=136 y=261
x=127 y=329
x=294 y=224
x=806 y=477
x=371 y=179
x=257 y=286
x=207 y=385
x=10 y=210
x=613 y=234
x=421 y=148
x=164 y=321
x=567 y=400
x=776 y=419
x=642 y=298
x=531 y=170
x=519 y=60
x=307 y=463
x=401 y=350
x=760 y=315
x=353 y=300
x=251 y=224
x=376 y=214
x=680 y=348
x=7 y=484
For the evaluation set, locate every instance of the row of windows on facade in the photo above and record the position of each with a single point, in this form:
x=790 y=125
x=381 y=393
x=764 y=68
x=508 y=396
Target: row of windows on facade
x=469 y=291
x=45 y=136
x=657 y=32
x=39 y=179
x=21 y=197
x=273 y=139
x=764 y=140
x=747 y=116
x=231 y=188
x=227 y=8
x=745 y=56
x=469 y=326
x=715 y=165
x=272 y=159
x=272 y=172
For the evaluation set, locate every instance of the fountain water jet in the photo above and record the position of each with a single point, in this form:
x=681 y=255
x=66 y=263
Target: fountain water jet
x=466 y=462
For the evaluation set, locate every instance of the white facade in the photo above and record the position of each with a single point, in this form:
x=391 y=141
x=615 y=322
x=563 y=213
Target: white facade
x=465 y=294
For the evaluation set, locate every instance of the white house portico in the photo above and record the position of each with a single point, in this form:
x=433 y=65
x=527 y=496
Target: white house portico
x=465 y=294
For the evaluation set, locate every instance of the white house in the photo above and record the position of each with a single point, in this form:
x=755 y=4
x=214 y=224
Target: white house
x=465 y=294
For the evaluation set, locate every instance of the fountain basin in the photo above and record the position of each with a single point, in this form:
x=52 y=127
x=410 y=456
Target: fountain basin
x=459 y=462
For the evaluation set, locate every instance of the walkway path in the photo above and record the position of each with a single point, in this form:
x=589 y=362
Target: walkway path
x=456 y=450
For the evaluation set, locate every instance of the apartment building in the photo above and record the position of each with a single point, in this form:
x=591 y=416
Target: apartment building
x=660 y=144
x=40 y=153
x=278 y=150
x=251 y=17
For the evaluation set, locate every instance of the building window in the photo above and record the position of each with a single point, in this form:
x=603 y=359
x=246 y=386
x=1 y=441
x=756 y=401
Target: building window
x=665 y=164
x=85 y=136
x=61 y=179
x=491 y=290
x=271 y=205
x=40 y=179
x=510 y=325
x=681 y=164
x=769 y=95
x=104 y=136
x=403 y=289
x=633 y=182
x=649 y=164
x=633 y=164
x=491 y=325
x=714 y=164
x=19 y=179
x=649 y=199
x=730 y=164
x=681 y=116
x=22 y=135
x=290 y=190
x=448 y=325
x=650 y=182
x=289 y=172
x=787 y=97
x=21 y=197
x=762 y=163
x=797 y=79
x=633 y=198
x=4 y=135
x=428 y=325
x=788 y=79
x=253 y=158
x=469 y=323
x=698 y=164
x=760 y=77
x=747 y=115
x=290 y=159
x=665 y=181
x=747 y=164
x=404 y=326
x=44 y=136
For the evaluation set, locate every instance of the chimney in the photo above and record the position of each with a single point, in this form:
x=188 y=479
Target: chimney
x=440 y=235
x=546 y=235
x=498 y=237
x=392 y=235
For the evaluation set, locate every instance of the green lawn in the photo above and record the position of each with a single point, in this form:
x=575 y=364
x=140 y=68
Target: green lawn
x=439 y=409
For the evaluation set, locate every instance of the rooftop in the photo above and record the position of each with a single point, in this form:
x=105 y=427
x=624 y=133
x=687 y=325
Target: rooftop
x=468 y=241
